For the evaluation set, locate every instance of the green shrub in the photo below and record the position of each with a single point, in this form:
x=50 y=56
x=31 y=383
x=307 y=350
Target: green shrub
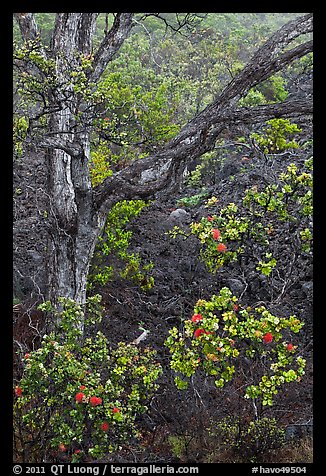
x=233 y=230
x=192 y=201
x=114 y=243
x=248 y=439
x=79 y=396
x=221 y=333
x=276 y=136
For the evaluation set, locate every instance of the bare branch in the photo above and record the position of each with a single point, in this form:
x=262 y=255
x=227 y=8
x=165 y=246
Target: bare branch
x=266 y=61
x=183 y=23
x=252 y=115
x=111 y=44
x=150 y=40
x=286 y=58
x=74 y=149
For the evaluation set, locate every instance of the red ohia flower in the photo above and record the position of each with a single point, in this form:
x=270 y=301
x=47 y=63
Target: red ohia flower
x=200 y=331
x=209 y=218
x=26 y=356
x=94 y=401
x=82 y=387
x=79 y=397
x=268 y=337
x=197 y=318
x=105 y=426
x=236 y=307
x=290 y=347
x=116 y=410
x=216 y=233
x=221 y=248
x=76 y=452
x=18 y=391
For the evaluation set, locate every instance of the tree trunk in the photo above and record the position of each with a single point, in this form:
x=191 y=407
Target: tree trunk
x=70 y=254
x=73 y=232
x=74 y=225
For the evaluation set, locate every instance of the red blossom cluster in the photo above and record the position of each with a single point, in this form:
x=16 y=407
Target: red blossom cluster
x=216 y=233
x=221 y=247
x=94 y=401
x=105 y=426
x=268 y=337
x=79 y=397
x=197 y=318
x=18 y=391
x=200 y=331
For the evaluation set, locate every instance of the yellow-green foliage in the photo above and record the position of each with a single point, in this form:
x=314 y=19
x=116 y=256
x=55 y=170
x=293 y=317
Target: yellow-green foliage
x=20 y=128
x=221 y=332
x=115 y=242
x=276 y=136
x=81 y=394
x=248 y=439
x=100 y=165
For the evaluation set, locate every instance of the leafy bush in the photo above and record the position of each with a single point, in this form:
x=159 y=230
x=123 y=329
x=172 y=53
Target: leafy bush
x=115 y=242
x=234 y=230
x=248 y=439
x=253 y=98
x=101 y=163
x=222 y=334
x=79 y=397
x=273 y=88
x=20 y=128
x=193 y=200
x=194 y=178
x=275 y=136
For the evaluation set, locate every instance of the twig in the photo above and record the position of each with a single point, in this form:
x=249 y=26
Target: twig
x=141 y=337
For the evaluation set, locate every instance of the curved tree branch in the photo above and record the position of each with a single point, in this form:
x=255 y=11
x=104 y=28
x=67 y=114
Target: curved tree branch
x=286 y=58
x=146 y=176
x=74 y=149
x=268 y=60
x=252 y=115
